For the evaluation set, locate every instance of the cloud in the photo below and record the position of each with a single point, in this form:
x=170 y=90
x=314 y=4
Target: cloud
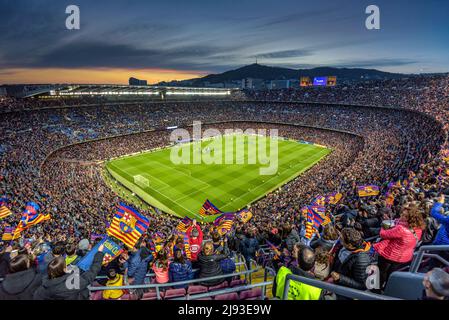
x=375 y=63
x=284 y=54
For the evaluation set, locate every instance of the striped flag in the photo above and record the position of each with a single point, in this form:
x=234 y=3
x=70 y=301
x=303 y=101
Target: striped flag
x=4 y=210
x=184 y=224
x=208 y=209
x=187 y=247
x=128 y=225
x=31 y=217
x=224 y=223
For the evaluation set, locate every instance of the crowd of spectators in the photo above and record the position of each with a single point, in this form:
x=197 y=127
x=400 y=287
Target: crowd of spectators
x=42 y=161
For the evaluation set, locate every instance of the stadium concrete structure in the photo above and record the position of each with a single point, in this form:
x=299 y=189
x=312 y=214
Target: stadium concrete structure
x=108 y=90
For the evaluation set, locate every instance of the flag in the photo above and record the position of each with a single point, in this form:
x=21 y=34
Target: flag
x=31 y=217
x=319 y=200
x=244 y=215
x=333 y=198
x=318 y=209
x=208 y=209
x=275 y=249
x=111 y=251
x=8 y=234
x=224 y=223
x=327 y=220
x=184 y=224
x=128 y=225
x=310 y=230
x=187 y=247
x=4 y=210
x=368 y=190
x=314 y=217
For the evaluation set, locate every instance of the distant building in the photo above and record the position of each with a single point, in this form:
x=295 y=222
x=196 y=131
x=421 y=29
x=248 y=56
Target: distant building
x=278 y=84
x=2 y=91
x=137 y=82
x=253 y=84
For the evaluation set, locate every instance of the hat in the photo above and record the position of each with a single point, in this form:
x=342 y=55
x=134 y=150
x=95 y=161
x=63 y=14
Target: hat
x=440 y=282
x=83 y=244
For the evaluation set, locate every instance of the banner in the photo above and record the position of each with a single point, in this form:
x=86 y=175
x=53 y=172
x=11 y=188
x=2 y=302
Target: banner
x=111 y=251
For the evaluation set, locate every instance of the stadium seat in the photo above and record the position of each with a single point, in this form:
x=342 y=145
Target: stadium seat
x=252 y=294
x=196 y=289
x=97 y=295
x=128 y=297
x=238 y=282
x=405 y=285
x=220 y=286
x=175 y=293
x=227 y=296
x=152 y=295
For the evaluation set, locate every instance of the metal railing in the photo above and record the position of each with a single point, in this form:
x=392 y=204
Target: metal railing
x=226 y=291
x=158 y=286
x=150 y=275
x=422 y=252
x=338 y=290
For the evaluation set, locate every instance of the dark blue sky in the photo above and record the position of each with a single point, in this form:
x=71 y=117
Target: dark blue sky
x=199 y=36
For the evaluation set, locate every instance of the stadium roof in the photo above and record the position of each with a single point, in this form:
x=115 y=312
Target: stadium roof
x=122 y=90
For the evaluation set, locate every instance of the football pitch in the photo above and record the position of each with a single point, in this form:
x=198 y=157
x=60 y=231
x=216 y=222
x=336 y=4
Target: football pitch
x=181 y=188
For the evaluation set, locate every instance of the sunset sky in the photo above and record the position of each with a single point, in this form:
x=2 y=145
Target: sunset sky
x=167 y=40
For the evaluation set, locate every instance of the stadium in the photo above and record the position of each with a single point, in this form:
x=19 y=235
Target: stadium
x=118 y=184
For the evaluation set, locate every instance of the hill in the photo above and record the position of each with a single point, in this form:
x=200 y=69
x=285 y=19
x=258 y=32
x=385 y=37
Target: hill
x=259 y=71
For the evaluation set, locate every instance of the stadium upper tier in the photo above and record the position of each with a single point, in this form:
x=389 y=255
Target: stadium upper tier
x=105 y=90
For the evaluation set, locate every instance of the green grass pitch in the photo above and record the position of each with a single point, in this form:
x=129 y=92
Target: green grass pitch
x=181 y=189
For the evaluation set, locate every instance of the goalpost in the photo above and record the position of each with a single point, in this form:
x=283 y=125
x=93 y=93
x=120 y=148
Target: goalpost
x=141 y=181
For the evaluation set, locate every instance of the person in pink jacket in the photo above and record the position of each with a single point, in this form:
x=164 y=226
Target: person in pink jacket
x=399 y=242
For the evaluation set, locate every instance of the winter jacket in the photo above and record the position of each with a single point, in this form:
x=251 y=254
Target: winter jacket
x=195 y=244
x=162 y=274
x=57 y=289
x=210 y=267
x=292 y=239
x=442 y=236
x=398 y=243
x=20 y=285
x=180 y=272
x=138 y=268
x=352 y=268
x=248 y=248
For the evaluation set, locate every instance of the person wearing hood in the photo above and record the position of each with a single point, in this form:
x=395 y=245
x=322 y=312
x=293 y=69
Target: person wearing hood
x=61 y=284
x=22 y=280
x=352 y=260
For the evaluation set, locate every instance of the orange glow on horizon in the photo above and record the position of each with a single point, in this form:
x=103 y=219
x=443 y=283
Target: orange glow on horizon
x=93 y=76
